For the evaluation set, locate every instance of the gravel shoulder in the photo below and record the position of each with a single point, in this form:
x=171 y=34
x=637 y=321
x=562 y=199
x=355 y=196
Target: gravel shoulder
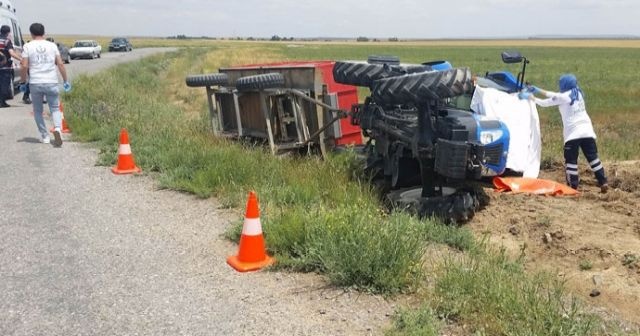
x=85 y=252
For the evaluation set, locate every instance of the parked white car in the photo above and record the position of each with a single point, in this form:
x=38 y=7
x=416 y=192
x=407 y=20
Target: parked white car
x=85 y=49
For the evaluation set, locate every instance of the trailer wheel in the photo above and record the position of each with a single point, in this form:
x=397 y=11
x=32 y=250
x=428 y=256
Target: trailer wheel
x=260 y=82
x=422 y=86
x=207 y=80
x=378 y=59
x=457 y=207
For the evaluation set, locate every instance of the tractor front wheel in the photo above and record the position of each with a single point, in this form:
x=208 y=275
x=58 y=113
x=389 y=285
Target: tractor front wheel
x=454 y=206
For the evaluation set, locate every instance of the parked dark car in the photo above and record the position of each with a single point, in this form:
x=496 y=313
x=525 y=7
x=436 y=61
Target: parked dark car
x=64 y=53
x=120 y=44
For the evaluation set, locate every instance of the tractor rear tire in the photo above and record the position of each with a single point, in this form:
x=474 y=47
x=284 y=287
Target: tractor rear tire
x=214 y=79
x=378 y=59
x=360 y=73
x=455 y=208
x=260 y=82
x=422 y=86
x=364 y=74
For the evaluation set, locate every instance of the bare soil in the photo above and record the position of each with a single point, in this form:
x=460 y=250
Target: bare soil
x=591 y=241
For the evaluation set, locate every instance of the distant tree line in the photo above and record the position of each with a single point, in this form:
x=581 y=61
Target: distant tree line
x=185 y=37
x=278 y=38
x=366 y=39
x=273 y=38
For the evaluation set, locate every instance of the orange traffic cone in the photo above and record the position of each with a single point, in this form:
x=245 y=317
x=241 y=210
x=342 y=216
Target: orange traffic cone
x=126 y=163
x=251 y=253
x=65 y=127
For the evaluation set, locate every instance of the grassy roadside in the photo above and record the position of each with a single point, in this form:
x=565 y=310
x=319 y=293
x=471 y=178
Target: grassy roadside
x=311 y=225
x=491 y=294
x=353 y=243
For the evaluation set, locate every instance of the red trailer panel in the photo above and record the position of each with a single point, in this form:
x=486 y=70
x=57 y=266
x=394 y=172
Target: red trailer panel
x=347 y=95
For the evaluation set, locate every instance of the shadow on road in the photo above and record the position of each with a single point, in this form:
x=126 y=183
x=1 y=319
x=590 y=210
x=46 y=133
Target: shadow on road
x=29 y=140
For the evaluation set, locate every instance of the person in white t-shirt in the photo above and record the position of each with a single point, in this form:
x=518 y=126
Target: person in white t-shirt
x=41 y=62
x=578 y=131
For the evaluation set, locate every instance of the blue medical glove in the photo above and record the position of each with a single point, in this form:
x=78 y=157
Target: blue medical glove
x=23 y=87
x=533 y=89
x=524 y=95
x=66 y=86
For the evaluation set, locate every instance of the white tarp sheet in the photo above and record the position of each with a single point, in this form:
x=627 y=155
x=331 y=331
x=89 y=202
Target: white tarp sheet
x=521 y=118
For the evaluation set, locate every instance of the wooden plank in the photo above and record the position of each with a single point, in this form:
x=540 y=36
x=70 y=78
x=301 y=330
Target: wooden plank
x=227 y=110
x=213 y=113
x=267 y=118
x=236 y=106
x=281 y=119
x=297 y=119
x=251 y=114
x=303 y=119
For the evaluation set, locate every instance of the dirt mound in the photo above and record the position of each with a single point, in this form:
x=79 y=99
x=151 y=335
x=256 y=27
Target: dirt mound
x=591 y=241
x=626 y=176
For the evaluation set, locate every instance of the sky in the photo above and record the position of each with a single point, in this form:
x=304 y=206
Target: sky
x=333 y=18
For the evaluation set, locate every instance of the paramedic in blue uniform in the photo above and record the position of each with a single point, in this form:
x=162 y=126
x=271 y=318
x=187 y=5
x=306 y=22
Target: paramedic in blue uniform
x=578 y=130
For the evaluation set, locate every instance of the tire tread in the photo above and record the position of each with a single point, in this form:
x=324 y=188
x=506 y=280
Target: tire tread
x=260 y=82
x=422 y=86
x=214 y=79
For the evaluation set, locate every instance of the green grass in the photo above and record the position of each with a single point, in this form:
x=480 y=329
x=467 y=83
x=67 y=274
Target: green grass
x=585 y=265
x=416 y=322
x=495 y=295
x=631 y=260
x=356 y=244
x=316 y=217
x=485 y=292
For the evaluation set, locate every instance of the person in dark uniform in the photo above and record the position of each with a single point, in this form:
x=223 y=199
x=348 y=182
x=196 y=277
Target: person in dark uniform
x=6 y=71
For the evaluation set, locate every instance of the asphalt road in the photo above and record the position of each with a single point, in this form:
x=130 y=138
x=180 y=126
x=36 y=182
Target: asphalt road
x=88 y=66
x=85 y=252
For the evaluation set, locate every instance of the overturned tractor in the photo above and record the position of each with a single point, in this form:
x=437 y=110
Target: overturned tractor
x=422 y=132
x=425 y=147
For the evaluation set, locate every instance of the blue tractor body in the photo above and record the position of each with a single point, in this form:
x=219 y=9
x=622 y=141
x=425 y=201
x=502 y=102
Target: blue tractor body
x=506 y=80
x=495 y=140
